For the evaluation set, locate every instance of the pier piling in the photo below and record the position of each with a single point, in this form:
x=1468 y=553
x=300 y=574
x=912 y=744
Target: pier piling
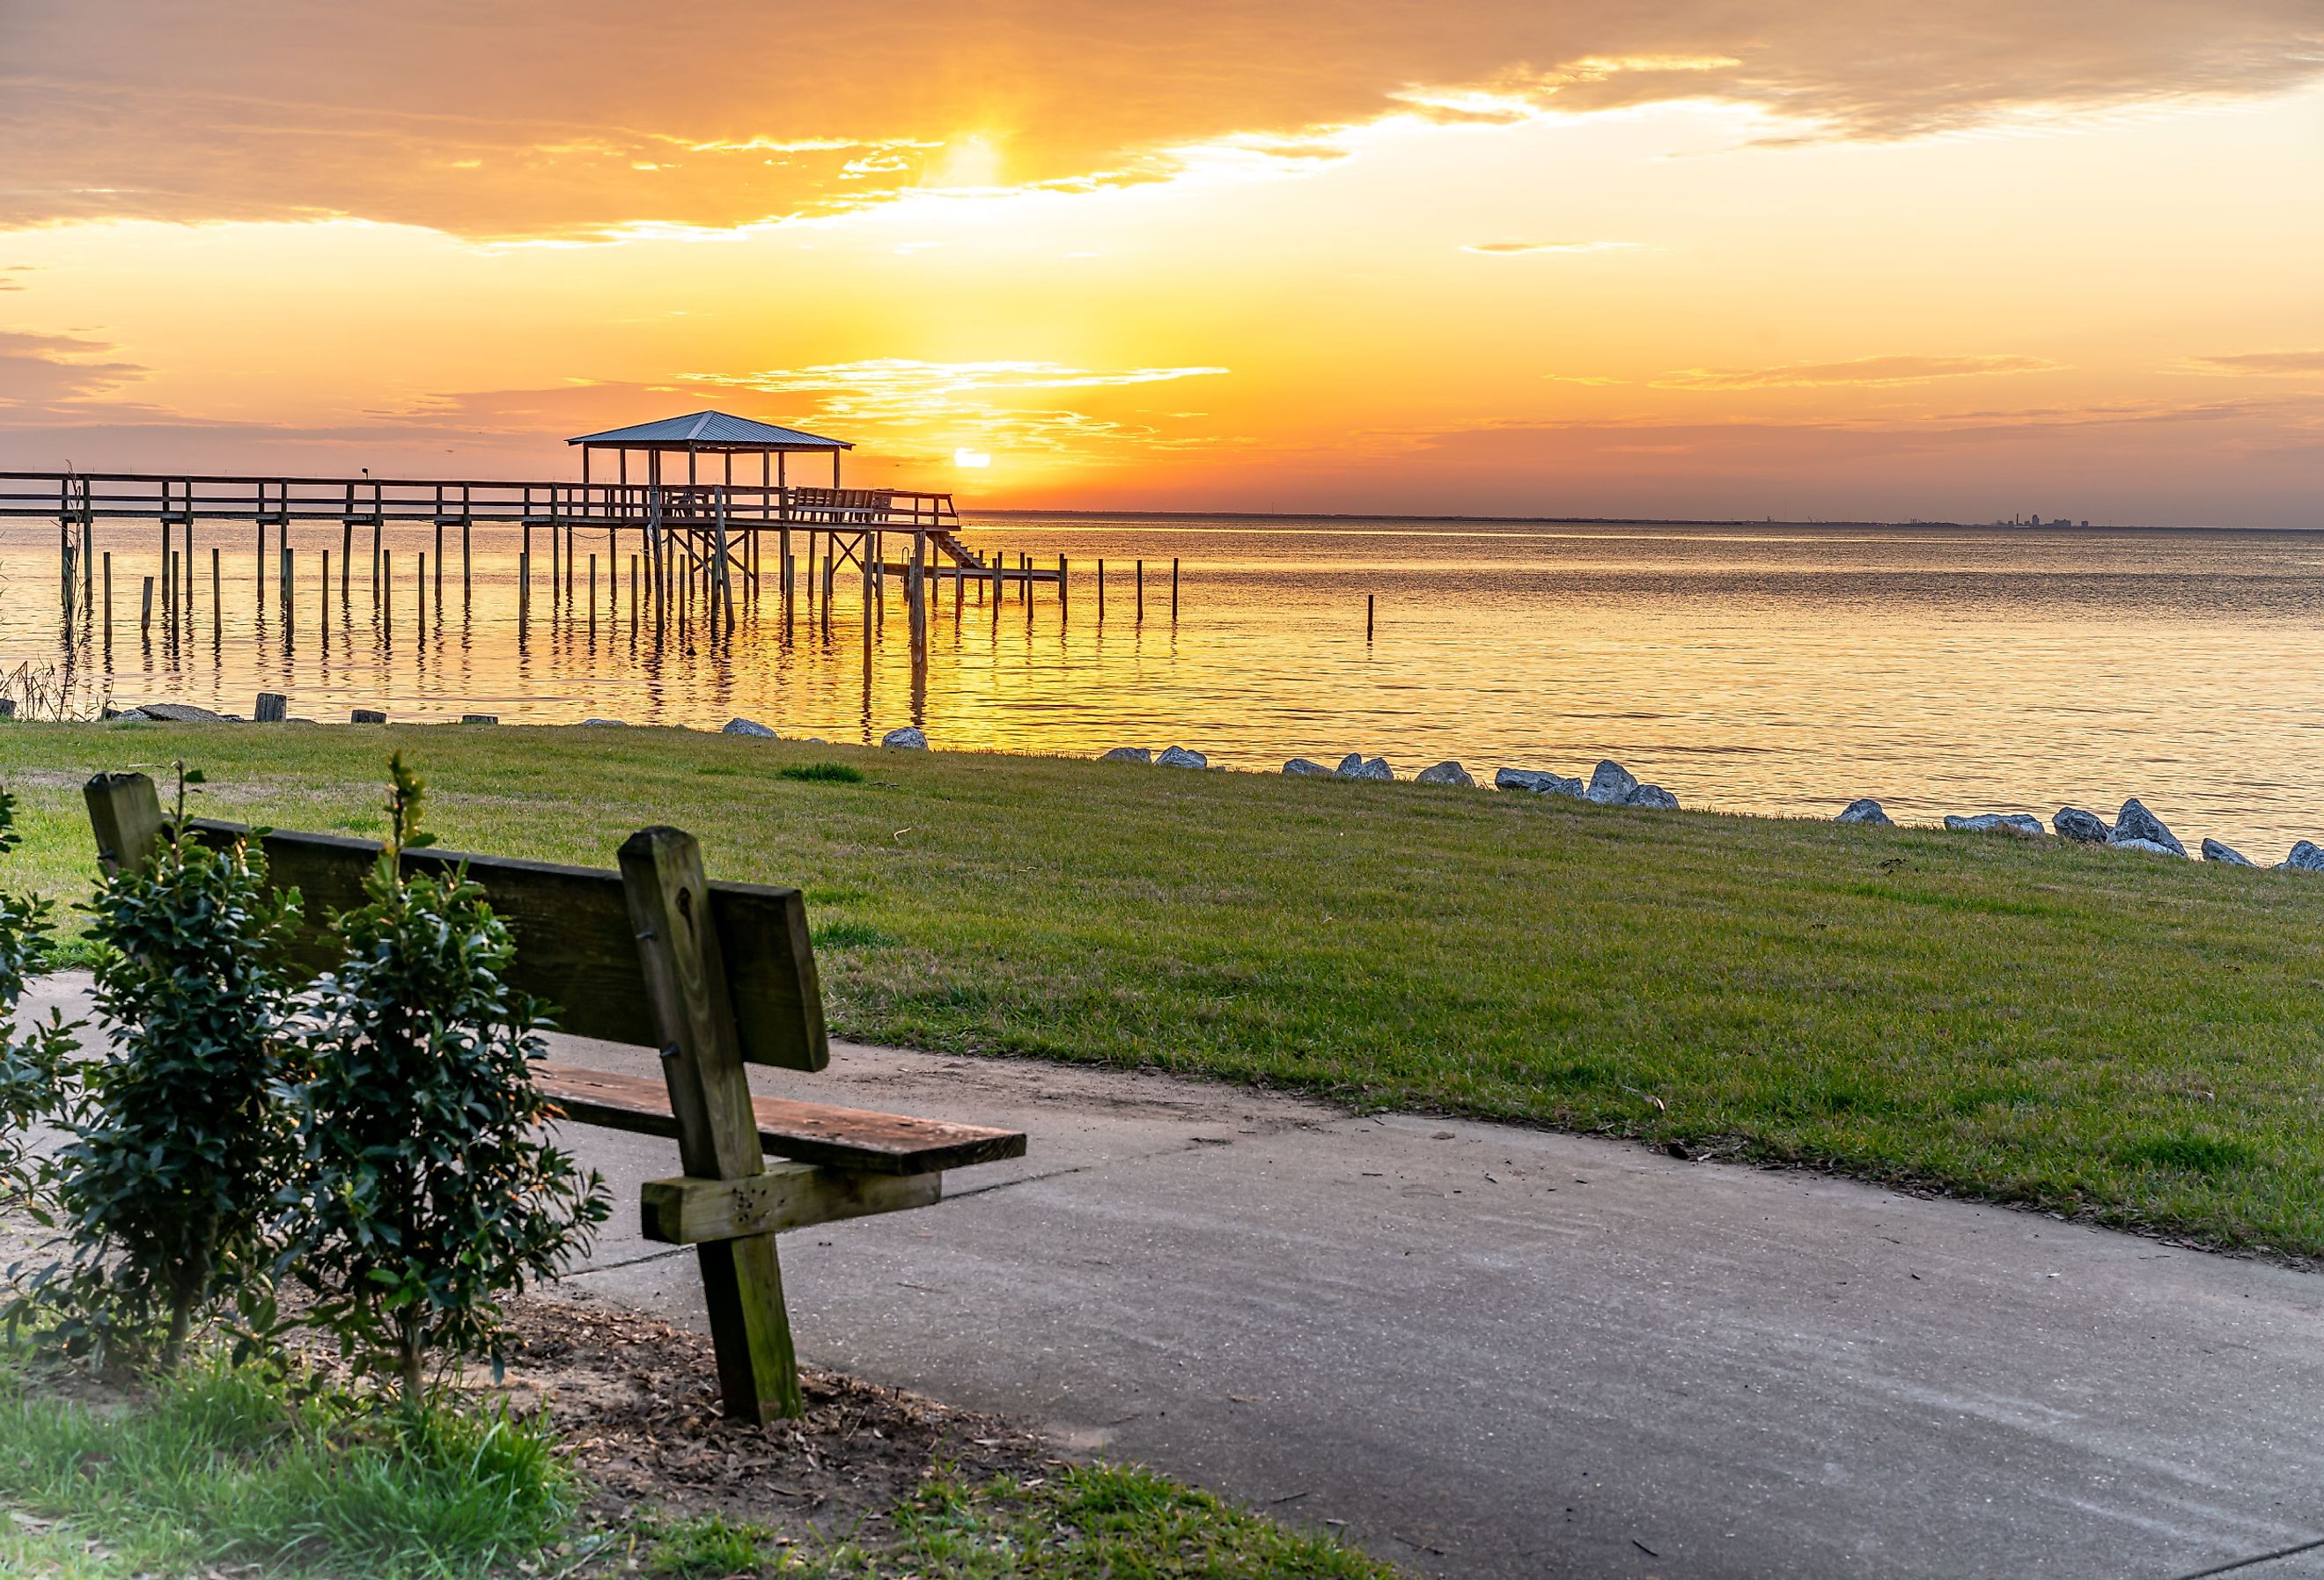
x=108 y=598
x=145 y=610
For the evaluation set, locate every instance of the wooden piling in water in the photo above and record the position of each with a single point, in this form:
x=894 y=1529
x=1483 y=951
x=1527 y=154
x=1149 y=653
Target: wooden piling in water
x=1061 y=590
x=464 y=524
x=323 y=597
x=1368 y=617
x=592 y=595
x=108 y=598
x=347 y=554
x=218 y=603
x=384 y=565
x=1174 y=590
x=1141 y=592
x=145 y=610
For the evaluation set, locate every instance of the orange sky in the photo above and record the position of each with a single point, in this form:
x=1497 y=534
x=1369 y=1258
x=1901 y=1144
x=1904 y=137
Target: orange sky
x=1725 y=257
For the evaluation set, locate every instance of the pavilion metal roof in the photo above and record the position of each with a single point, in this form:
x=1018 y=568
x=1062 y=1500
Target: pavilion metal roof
x=710 y=430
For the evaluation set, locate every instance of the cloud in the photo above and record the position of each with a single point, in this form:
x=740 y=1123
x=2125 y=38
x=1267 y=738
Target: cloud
x=998 y=405
x=1516 y=249
x=2277 y=364
x=1871 y=371
x=8 y=272
x=45 y=371
x=580 y=119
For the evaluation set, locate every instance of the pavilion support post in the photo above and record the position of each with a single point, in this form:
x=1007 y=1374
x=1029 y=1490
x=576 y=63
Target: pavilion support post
x=346 y=555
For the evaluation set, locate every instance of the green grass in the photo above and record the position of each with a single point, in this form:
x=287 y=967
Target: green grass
x=1095 y=1522
x=2133 y=1038
x=233 y=1466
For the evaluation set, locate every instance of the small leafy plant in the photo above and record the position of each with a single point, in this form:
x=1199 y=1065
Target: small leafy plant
x=428 y=1196
x=35 y=1063
x=178 y=1145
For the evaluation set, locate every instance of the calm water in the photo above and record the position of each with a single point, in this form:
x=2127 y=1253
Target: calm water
x=1781 y=669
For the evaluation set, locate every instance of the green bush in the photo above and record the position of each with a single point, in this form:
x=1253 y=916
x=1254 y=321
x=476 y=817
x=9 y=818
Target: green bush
x=427 y=1196
x=179 y=1145
x=34 y=1063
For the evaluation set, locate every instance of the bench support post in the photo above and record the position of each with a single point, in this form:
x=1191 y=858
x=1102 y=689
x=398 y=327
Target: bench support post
x=717 y=1134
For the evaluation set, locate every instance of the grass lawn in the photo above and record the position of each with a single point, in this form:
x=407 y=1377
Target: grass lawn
x=2137 y=1039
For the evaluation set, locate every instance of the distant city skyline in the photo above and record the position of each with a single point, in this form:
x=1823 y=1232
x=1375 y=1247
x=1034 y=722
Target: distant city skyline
x=1688 y=260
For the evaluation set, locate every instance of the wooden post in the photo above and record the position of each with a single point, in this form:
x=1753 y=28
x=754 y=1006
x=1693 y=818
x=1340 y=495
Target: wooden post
x=126 y=812
x=464 y=524
x=1061 y=589
x=108 y=598
x=592 y=595
x=271 y=708
x=323 y=597
x=146 y=612
x=217 y=604
x=286 y=593
x=420 y=597
x=258 y=571
x=633 y=594
x=439 y=556
x=1101 y=592
x=1141 y=592
x=383 y=565
x=523 y=588
x=346 y=553
x=378 y=558
x=1368 y=617
x=717 y=1134
x=1174 y=590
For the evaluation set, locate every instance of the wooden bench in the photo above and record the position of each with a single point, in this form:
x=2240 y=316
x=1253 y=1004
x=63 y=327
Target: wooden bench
x=714 y=976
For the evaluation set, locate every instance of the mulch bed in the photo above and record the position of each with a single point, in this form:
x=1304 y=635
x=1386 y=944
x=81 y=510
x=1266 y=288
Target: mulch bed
x=635 y=1401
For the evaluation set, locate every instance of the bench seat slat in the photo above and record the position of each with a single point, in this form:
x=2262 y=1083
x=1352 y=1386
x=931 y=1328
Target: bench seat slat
x=808 y=1132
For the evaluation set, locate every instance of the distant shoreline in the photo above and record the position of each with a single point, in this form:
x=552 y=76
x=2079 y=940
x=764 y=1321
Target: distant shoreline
x=1354 y=516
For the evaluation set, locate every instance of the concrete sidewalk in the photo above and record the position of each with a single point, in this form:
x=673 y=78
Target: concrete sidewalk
x=1481 y=1351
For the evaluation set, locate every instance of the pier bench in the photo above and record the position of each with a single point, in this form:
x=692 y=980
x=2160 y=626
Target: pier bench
x=712 y=975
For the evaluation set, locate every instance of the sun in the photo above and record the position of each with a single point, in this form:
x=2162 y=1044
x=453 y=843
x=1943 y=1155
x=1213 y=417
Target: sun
x=968 y=458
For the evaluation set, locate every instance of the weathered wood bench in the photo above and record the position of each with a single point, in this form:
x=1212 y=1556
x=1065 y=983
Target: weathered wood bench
x=714 y=976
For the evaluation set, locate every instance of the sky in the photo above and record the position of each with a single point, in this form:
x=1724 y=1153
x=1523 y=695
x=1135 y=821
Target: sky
x=1807 y=259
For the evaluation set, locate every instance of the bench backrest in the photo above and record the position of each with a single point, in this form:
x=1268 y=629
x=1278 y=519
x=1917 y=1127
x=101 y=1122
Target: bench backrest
x=576 y=944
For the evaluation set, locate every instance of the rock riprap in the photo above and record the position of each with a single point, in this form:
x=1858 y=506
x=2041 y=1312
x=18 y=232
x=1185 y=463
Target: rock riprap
x=1864 y=810
x=2135 y=824
x=1127 y=754
x=747 y=727
x=2305 y=857
x=1446 y=773
x=908 y=739
x=1306 y=768
x=2020 y=823
x=2081 y=827
x=1537 y=783
x=1611 y=784
x=1179 y=757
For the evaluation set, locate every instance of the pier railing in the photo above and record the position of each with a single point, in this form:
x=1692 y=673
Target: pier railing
x=82 y=496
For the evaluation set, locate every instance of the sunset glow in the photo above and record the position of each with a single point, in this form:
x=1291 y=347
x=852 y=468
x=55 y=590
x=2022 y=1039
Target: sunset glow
x=1790 y=261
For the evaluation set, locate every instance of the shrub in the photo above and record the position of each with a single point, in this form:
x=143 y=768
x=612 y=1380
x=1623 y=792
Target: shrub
x=35 y=1063
x=178 y=1147
x=427 y=1196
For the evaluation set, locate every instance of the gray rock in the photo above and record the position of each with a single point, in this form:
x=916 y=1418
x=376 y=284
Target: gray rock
x=480 y=718
x=1305 y=767
x=1653 y=796
x=1866 y=810
x=748 y=726
x=1447 y=772
x=2135 y=822
x=2146 y=847
x=2304 y=858
x=1537 y=781
x=2081 y=827
x=908 y=739
x=367 y=716
x=604 y=723
x=176 y=713
x=1349 y=764
x=1998 y=823
x=1367 y=768
x=2216 y=850
x=1127 y=754
x=1611 y=784
x=132 y=715
x=1179 y=757
x=7 y=708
